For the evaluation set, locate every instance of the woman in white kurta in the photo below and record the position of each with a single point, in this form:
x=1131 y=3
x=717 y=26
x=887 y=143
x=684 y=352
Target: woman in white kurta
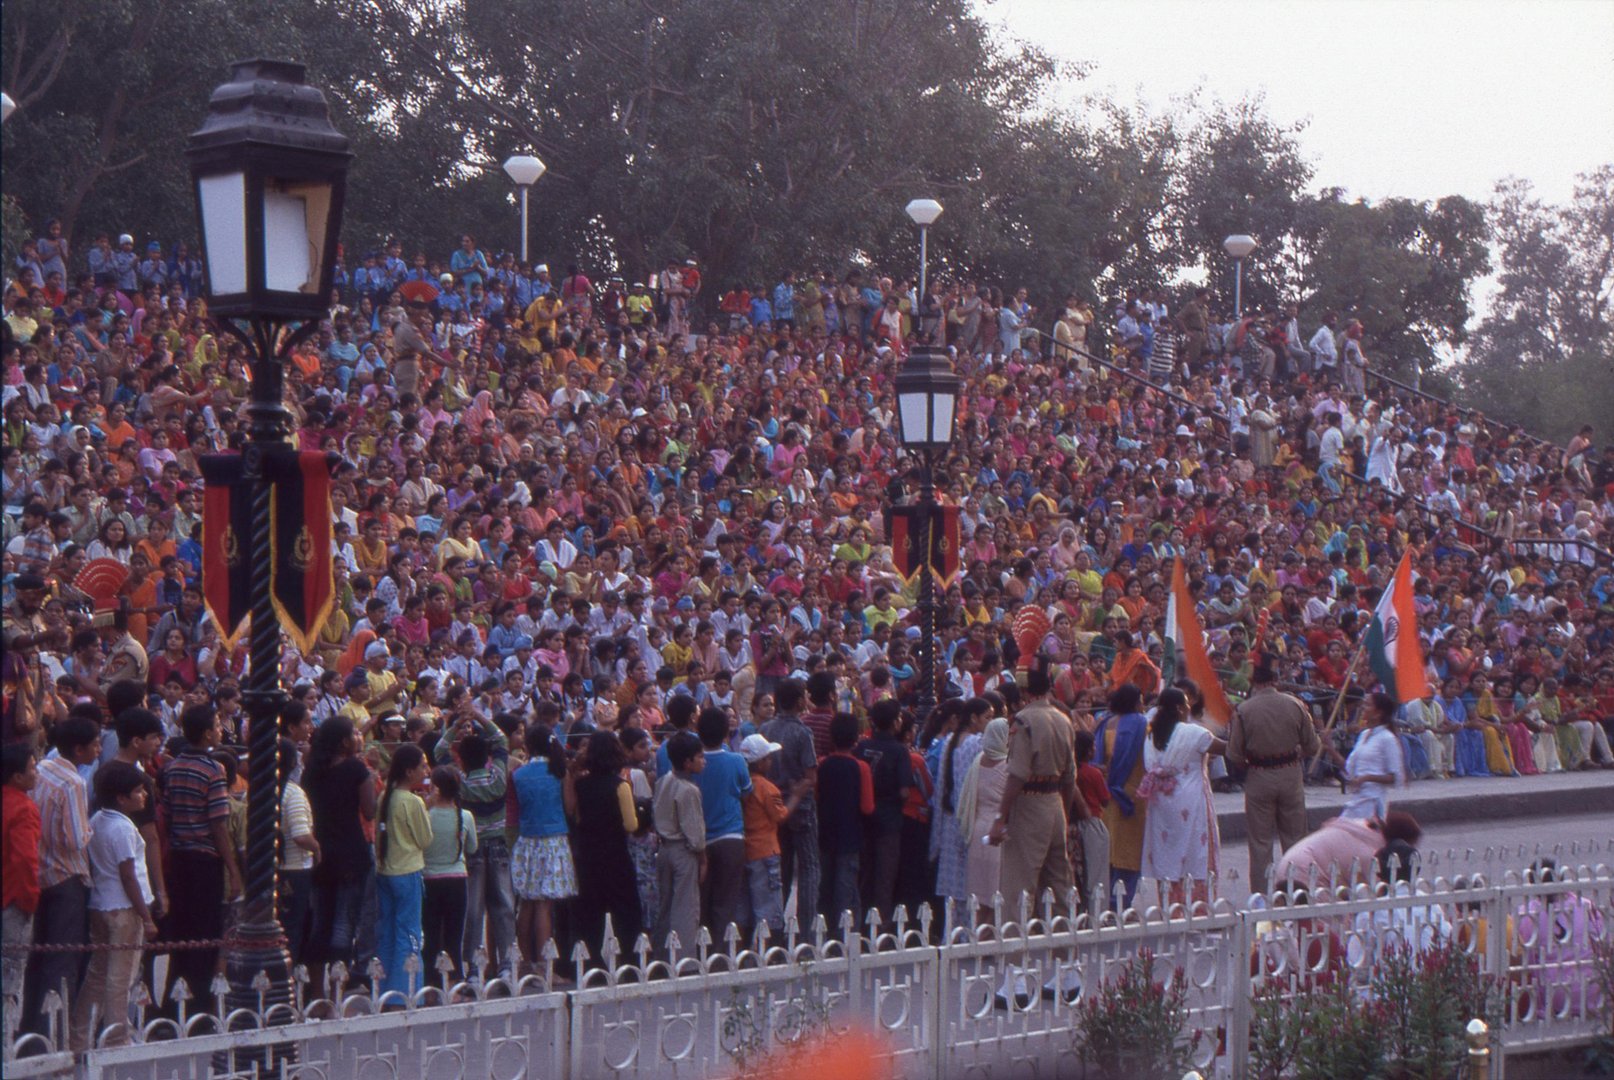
x=1382 y=452
x=1375 y=764
x=1180 y=839
x=978 y=804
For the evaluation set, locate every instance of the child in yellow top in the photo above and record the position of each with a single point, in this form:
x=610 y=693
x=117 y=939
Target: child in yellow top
x=403 y=833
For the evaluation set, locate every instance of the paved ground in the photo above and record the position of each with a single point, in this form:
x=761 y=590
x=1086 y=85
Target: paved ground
x=1474 y=801
x=1485 y=825
x=1488 y=848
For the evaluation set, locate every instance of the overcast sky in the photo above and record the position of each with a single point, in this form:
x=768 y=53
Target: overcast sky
x=1420 y=98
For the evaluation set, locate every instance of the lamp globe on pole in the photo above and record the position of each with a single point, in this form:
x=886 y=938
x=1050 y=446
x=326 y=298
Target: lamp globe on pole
x=1239 y=247
x=525 y=170
x=923 y=213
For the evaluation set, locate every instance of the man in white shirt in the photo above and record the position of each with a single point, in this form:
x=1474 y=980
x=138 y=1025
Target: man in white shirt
x=1324 y=350
x=1294 y=348
x=608 y=620
x=1329 y=452
x=1127 y=330
x=729 y=616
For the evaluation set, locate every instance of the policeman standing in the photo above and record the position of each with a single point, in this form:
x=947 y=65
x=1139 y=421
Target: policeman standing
x=1271 y=735
x=1040 y=787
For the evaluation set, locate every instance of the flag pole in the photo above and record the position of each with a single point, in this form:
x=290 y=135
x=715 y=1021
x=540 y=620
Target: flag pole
x=1339 y=700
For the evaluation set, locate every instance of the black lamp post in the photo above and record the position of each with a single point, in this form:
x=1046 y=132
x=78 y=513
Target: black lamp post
x=927 y=403
x=270 y=175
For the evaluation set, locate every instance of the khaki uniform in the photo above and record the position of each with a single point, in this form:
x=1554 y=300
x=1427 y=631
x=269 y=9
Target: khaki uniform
x=1195 y=321
x=1271 y=735
x=407 y=346
x=1042 y=754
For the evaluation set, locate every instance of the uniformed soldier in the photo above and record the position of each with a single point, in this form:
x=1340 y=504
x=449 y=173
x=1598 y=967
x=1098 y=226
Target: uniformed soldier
x=1038 y=793
x=1041 y=784
x=1271 y=735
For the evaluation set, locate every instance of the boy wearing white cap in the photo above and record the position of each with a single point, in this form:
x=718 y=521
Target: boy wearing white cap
x=764 y=809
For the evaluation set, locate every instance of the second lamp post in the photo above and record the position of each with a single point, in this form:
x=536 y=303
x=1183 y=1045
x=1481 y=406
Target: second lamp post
x=525 y=170
x=927 y=406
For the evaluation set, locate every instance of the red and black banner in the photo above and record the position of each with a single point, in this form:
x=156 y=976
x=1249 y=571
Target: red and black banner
x=946 y=546
x=226 y=544
x=301 y=572
x=906 y=529
x=904 y=526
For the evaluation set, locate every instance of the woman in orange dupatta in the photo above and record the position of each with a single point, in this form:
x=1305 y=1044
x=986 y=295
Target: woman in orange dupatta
x=354 y=655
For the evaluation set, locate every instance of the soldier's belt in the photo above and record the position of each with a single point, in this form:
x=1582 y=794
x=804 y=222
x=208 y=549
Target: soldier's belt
x=1041 y=785
x=1283 y=761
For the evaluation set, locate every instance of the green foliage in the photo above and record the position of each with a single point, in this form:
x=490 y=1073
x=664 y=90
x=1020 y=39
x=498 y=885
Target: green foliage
x=16 y=228
x=1407 y=1024
x=1425 y=1002
x=1545 y=356
x=792 y=134
x=786 y=136
x=1599 y=1057
x=1403 y=267
x=1131 y=1027
x=1278 y=1022
x=761 y=1034
x=108 y=92
x=1342 y=1038
x=1241 y=172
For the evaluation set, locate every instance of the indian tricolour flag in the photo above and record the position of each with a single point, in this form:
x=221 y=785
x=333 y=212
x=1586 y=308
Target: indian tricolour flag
x=1392 y=639
x=1185 y=648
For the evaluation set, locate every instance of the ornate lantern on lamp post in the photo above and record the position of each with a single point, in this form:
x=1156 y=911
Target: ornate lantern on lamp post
x=927 y=406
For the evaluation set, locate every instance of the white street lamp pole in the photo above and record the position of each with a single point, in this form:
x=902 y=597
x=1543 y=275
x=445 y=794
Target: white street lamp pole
x=924 y=213
x=525 y=170
x=526 y=190
x=1239 y=246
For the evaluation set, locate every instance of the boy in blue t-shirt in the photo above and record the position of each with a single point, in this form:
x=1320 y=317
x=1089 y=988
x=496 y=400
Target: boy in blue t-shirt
x=724 y=784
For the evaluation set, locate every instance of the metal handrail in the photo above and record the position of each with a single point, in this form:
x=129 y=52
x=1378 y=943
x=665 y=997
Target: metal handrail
x=1564 y=540
x=1142 y=380
x=1463 y=409
x=1431 y=511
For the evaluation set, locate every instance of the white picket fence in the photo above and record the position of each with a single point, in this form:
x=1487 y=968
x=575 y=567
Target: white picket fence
x=929 y=994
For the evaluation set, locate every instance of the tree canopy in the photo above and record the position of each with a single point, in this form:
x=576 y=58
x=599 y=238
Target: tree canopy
x=1544 y=357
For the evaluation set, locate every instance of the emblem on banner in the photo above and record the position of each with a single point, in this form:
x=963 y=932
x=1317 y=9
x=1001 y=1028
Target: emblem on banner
x=302 y=552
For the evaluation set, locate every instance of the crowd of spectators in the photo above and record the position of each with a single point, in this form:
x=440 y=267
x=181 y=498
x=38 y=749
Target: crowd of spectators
x=619 y=633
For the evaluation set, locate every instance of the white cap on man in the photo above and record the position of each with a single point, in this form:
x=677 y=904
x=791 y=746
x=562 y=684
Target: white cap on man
x=756 y=747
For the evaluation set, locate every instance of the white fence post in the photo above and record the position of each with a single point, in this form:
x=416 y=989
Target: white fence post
x=1240 y=986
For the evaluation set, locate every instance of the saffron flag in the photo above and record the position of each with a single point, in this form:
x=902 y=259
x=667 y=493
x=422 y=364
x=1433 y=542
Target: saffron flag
x=1393 y=649
x=226 y=544
x=302 y=582
x=1186 y=655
